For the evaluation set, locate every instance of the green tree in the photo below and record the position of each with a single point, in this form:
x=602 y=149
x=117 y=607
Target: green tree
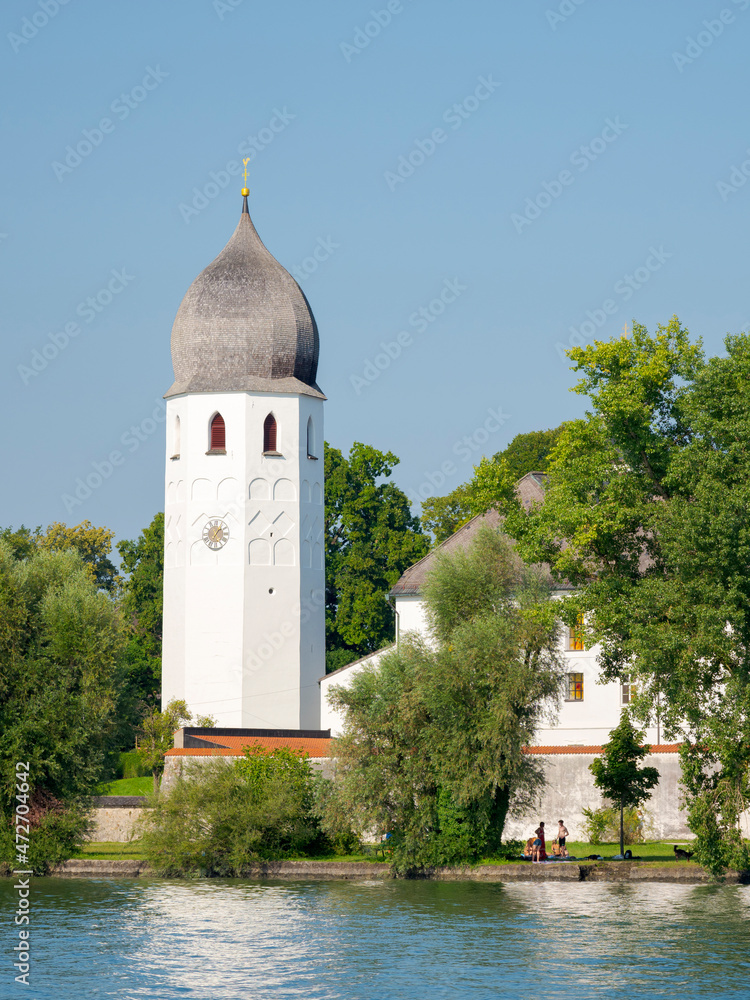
x=529 y=452
x=647 y=509
x=617 y=773
x=23 y=542
x=371 y=538
x=60 y=669
x=491 y=485
x=432 y=750
x=225 y=817
x=443 y=516
x=92 y=544
x=155 y=734
x=142 y=605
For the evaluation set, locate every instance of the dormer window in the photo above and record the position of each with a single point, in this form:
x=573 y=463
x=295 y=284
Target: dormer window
x=270 y=435
x=217 y=436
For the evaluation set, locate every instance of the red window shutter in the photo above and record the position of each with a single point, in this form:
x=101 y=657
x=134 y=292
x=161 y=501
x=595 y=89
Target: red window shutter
x=218 y=434
x=269 y=433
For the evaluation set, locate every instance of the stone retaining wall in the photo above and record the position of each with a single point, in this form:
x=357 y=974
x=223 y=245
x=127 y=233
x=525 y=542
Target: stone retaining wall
x=565 y=872
x=570 y=789
x=115 y=818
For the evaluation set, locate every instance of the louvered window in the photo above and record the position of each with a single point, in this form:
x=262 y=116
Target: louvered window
x=218 y=434
x=269 y=434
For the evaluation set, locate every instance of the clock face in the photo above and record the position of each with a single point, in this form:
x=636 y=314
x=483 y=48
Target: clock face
x=216 y=533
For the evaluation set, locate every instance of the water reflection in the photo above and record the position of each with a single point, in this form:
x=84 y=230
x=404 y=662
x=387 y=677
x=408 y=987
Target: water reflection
x=372 y=940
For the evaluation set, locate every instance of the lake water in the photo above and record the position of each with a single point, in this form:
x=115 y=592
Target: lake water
x=375 y=940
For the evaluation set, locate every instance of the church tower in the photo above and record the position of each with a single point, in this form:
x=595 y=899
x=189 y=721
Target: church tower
x=244 y=586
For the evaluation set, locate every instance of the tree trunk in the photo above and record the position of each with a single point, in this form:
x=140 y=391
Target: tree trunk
x=156 y=782
x=622 y=829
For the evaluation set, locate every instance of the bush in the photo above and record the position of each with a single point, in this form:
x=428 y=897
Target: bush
x=130 y=765
x=223 y=818
x=603 y=825
x=56 y=832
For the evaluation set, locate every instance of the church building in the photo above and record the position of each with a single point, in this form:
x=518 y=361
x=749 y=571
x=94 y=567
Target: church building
x=244 y=626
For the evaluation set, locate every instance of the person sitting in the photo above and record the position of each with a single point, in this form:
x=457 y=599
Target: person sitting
x=528 y=851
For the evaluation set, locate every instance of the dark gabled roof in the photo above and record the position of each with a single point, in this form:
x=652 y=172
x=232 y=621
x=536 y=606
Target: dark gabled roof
x=530 y=490
x=245 y=325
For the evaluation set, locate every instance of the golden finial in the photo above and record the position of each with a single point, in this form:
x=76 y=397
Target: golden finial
x=245 y=191
x=625 y=332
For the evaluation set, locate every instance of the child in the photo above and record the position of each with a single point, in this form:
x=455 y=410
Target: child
x=562 y=835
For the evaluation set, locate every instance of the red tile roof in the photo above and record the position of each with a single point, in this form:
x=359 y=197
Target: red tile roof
x=661 y=748
x=232 y=746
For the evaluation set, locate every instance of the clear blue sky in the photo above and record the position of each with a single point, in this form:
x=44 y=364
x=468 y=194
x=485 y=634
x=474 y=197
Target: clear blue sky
x=332 y=119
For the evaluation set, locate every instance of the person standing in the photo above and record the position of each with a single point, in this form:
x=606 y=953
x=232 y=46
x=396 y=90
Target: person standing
x=562 y=836
x=540 y=848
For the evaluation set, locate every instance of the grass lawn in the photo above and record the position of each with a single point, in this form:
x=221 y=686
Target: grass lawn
x=111 y=851
x=126 y=786
x=652 y=850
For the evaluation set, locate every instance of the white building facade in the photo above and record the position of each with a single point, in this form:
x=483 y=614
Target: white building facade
x=589 y=709
x=244 y=616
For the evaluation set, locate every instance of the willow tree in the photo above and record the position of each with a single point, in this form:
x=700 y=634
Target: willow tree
x=432 y=752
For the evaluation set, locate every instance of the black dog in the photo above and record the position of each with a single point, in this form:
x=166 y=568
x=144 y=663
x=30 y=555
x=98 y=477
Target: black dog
x=681 y=855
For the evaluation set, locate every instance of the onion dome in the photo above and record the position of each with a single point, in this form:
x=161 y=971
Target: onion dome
x=245 y=325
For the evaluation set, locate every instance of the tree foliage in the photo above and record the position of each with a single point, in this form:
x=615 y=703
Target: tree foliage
x=529 y=452
x=617 y=773
x=491 y=485
x=647 y=509
x=142 y=605
x=91 y=543
x=60 y=669
x=371 y=538
x=224 y=817
x=155 y=735
x=432 y=750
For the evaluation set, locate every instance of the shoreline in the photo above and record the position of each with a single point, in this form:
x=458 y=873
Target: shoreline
x=598 y=871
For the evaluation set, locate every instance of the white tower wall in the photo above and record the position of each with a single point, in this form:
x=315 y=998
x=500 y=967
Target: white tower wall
x=244 y=625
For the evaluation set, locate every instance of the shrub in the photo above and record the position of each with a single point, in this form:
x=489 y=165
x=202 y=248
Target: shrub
x=223 y=818
x=130 y=765
x=603 y=825
x=56 y=833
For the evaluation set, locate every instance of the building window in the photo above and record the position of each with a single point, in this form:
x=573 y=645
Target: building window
x=176 y=439
x=575 y=687
x=310 y=439
x=218 y=436
x=270 y=435
x=627 y=689
x=575 y=635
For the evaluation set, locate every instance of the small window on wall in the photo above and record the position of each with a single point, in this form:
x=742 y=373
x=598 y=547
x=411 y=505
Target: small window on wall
x=627 y=689
x=575 y=687
x=575 y=635
x=270 y=435
x=176 y=439
x=218 y=436
x=311 y=439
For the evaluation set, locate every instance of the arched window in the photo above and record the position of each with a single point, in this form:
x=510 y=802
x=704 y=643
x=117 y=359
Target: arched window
x=311 y=438
x=218 y=443
x=269 y=435
x=176 y=438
